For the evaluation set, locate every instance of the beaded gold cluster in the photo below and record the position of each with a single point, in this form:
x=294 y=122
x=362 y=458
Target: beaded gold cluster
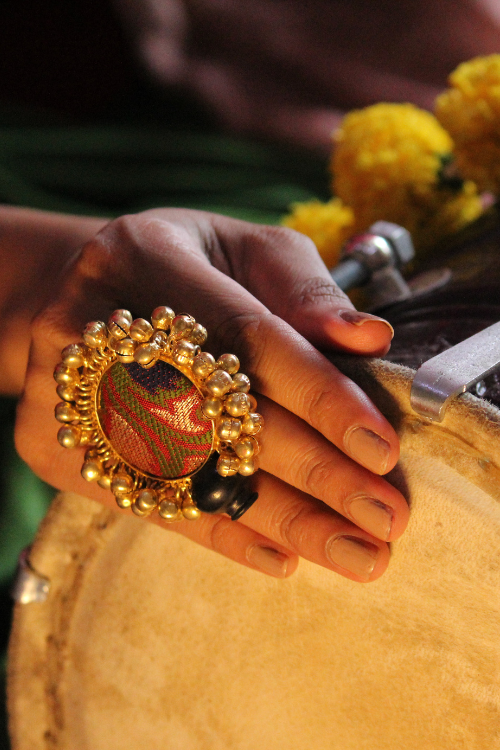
x=176 y=340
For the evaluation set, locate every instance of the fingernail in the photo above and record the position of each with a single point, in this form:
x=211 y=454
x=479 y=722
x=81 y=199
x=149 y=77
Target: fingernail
x=268 y=560
x=368 y=449
x=372 y=515
x=357 y=318
x=353 y=554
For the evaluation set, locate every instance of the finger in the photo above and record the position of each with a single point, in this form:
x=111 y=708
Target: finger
x=240 y=543
x=150 y=260
x=216 y=532
x=140 y=261
x=306 y=296
x=290 y=372
x=301 y=457
x=285 y=524
x=137 y=269
x=299 y=523
x=254 y=256
x=282 y=524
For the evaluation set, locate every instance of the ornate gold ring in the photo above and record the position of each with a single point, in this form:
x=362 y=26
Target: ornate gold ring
x=165 y=425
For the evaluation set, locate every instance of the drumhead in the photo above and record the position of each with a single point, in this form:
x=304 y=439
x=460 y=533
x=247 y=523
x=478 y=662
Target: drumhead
x=147 y=640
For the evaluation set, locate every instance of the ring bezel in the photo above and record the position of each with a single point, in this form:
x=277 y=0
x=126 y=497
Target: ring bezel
x=175 y=340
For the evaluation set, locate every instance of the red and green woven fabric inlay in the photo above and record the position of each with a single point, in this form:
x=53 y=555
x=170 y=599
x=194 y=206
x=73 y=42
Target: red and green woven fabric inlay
x=153 y=419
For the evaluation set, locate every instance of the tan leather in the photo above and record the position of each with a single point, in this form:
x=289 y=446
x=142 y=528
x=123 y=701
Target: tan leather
x=149 y=641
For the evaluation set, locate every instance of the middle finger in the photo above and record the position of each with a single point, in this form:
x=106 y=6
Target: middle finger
x=296 y=453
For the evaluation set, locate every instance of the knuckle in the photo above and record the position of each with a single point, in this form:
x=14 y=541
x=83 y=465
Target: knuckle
x=118 y=245
x=318 y=404
x=315 y=472
x=99 y=254
x=244 y=334
x=318 y=290
x=144 y=231
x=286 y=235
x=49 y=331
x=278 y=239
x=242 y=329
x=292 y=526
x=95 y=262
x=283 y=235
x=123 y=229
x=45 y=325
x=125 y=254
x=135 y=245
x=219 y=534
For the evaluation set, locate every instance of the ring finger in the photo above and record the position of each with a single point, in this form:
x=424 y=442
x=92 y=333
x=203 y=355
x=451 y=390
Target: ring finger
x=287 y=523
x=296 y=453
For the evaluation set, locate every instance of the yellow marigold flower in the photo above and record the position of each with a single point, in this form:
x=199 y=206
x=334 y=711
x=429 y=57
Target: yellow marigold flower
x=452 y=215
x=390 y=163
x=327 y=224
x=470 y=111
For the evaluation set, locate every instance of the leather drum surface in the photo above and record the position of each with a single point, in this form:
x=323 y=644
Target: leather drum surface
x=147 y=640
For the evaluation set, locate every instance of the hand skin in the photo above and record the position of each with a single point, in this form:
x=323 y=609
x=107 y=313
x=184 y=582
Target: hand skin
x=289 y=69
x=263 y=294
x=34 y=248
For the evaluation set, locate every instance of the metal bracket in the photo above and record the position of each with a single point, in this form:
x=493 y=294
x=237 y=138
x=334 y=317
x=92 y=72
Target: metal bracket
x=374 y=261
x=455 y=371
x=29 y=586
x=386 y=287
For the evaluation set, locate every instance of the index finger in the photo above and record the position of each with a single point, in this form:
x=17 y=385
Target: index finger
x=306 y=296
x=146 y=269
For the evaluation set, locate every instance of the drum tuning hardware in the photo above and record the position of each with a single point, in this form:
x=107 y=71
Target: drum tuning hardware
x=454 y=371
x=29 y=586
x=375 y=260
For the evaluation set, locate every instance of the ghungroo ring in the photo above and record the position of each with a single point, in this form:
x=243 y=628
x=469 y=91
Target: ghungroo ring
x=153 y=411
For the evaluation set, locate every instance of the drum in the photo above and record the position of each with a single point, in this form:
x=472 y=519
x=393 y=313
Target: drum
x=146 y=640
x=431 y=322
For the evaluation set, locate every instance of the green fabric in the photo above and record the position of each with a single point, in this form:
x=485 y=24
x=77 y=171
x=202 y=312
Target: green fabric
x=24 y=500
x=112 y=169
x=154 y=152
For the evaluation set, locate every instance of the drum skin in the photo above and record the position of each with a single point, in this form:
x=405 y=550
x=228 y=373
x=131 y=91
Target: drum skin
x=147 y=640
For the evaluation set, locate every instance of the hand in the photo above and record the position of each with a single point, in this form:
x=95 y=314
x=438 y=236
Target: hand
x=263 y=294
x=45 y=242
x=287 y=69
